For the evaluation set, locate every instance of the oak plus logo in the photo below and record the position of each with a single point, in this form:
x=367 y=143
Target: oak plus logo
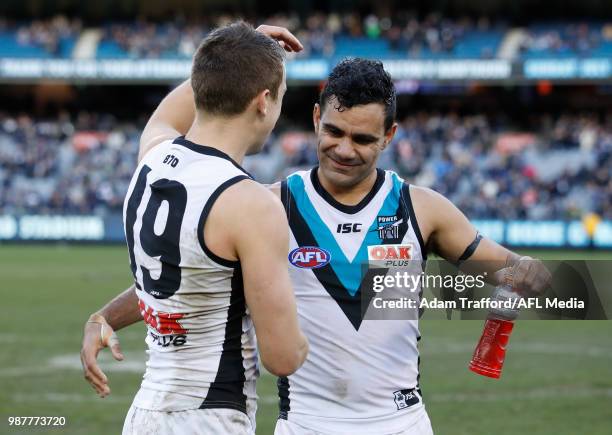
x=168 y=330
x=391 y=255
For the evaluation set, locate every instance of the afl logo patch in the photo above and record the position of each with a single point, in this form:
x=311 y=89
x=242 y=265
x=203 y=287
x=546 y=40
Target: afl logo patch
x=309 y=257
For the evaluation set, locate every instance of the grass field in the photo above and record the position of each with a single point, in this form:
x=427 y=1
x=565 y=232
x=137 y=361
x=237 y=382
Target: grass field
x=557 y=378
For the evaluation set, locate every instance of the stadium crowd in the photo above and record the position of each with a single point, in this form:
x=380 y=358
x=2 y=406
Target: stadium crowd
x=565 y=38
x=318 y=32
x=561 y=168
x=45 y=34
x=403 y=33
x=66 y=165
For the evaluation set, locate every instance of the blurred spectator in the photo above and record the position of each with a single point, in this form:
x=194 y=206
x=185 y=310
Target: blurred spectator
x=565 y=38
x=47 y=34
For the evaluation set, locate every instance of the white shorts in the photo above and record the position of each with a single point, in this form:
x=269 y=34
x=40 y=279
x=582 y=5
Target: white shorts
x=421 y=427
x=220 y=421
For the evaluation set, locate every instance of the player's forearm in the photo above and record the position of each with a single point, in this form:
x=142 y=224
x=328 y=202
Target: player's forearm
x=122 y=310
x=512 y=258
x=493 y=260
x=282 y=356
x=304 y=347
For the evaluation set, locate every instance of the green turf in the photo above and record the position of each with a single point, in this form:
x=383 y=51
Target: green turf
x=557 y=379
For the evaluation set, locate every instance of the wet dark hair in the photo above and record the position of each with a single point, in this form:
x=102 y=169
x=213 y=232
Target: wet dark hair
x=357 y=81
x=232 y=65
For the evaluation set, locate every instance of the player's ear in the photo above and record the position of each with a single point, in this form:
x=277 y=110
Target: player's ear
x=316 y=117
x=262 y=101
x=389 y=135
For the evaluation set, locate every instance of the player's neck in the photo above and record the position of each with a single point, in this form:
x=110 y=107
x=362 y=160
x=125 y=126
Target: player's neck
x=232 y=136
x=349 y=195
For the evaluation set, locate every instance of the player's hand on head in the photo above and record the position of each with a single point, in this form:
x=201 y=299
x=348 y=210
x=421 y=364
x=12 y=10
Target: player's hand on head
x=97 y=335
x=527 y=275
x=284 y=37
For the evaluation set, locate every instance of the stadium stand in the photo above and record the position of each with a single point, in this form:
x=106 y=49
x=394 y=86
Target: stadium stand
x=489 y=169
x=323 y=35
x=39 y=39
x=567 y=40
x=330 y=35
x=77 y=165
x=558 y=168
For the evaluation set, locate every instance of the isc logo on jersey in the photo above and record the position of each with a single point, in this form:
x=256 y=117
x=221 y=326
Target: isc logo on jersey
x=390 y=255
x=309 y=257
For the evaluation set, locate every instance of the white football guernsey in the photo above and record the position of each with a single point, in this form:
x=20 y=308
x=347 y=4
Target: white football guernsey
x=201 y=341
x=361 y=376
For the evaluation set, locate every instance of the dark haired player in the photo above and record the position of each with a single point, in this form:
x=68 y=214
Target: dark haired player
x=196 y=262
x=361 y=376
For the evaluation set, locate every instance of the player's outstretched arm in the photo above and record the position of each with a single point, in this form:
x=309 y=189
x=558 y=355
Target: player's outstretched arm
x=259 y=232
x=451 y=235
x=99 y=333
x=176 y=112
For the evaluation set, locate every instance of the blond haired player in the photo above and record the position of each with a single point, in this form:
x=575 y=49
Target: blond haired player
x=200 y=281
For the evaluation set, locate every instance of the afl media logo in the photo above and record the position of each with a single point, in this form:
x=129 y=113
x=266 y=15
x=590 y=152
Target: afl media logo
x=309 y=257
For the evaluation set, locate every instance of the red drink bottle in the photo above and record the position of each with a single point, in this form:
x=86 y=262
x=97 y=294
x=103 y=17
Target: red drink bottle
x=488 y=358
